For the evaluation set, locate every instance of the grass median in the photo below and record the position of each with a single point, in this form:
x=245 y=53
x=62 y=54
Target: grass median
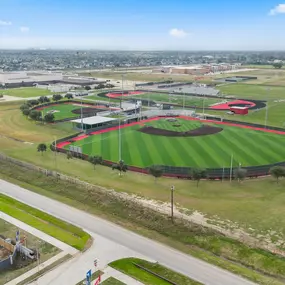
x=46 y=223
x=150 y=273
x=254 y=264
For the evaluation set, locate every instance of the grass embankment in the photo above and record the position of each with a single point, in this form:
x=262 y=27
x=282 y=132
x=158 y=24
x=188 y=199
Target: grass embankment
x=112 y=281
x=25 y=92
x=128 y=267
x=185 y=236
x=46 y=223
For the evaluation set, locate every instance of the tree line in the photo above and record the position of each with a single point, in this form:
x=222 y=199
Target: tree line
x=37 y=115
x=196 y=174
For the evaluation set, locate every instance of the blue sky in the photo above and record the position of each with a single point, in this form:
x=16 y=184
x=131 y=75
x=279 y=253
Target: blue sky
x=151 y=25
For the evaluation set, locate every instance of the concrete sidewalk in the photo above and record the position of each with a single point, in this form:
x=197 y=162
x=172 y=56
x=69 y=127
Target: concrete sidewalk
x=74 y=270
x=111 y=272
x=53 y=241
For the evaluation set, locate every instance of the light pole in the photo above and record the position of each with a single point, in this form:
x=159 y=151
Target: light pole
x=81 y=116
x=204 y=107
x=172 y=201
x=266 y=111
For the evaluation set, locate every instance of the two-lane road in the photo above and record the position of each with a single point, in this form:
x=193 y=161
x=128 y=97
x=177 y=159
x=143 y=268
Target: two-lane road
x=185 y=264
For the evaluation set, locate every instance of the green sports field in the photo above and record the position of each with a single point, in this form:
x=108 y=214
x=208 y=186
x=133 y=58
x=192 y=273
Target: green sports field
x=178 y=99
x=61 y=111
x=248 y=147
x=25 y=92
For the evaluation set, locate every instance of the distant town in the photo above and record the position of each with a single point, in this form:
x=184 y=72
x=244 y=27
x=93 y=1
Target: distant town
x=45 y=59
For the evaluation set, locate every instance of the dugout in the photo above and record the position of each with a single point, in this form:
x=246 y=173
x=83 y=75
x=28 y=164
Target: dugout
x=93 y=122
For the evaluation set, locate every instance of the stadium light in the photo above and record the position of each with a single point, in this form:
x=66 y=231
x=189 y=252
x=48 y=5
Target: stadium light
x=172 y=188
x=266 y=111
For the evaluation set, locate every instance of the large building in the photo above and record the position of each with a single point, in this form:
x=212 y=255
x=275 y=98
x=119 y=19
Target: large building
x=197 y=69
x=31 y=78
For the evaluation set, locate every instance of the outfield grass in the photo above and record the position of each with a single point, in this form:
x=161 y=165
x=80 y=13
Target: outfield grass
x=275 y=117
x=261 y=92
x=127 y=266
x=25 y=92
x=60 y=230
x=47 y=250
x=62 y=111
x=178 y=99
x=209 y=151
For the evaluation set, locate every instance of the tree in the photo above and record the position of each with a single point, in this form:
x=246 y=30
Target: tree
x=49 y=118
x=198 y=174
x=277 y=172
x=96 y=160
x=32 y=102
x=42 y=147
x=35 y=115
x=56 y=97
x=240 y=174
x=278 y=65
x=68 y=96
x=26 y=112
x=69 y=155
x=43 y=99
x=156 y=172
x=87 y=88
x=121 y=166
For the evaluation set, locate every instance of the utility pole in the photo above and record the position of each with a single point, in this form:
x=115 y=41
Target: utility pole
x=172 y=201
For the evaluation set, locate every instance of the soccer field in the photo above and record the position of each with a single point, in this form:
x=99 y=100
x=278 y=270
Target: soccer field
x=25 y=92
x=248 y=147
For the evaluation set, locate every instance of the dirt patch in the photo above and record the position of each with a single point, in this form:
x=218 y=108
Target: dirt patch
x=87 y=111
x=202 y=131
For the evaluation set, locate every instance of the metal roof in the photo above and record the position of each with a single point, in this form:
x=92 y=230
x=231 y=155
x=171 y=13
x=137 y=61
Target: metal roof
x=94 y=120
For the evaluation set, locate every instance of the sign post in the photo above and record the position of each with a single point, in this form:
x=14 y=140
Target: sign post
x=88 y=277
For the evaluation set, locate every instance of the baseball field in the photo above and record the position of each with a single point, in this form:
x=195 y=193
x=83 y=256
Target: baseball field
x=187 y=143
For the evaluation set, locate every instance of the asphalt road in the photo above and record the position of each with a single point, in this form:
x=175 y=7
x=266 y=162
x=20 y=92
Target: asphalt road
x=185 y=264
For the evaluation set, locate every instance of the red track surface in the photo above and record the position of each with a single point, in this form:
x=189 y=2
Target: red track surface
x=63 y=144
x=226 y=106
x=130 y=93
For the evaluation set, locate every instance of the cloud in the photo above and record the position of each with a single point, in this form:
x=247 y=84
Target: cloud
x=24 y=29
x=279 y=9
x=5 y=23
x=177 y=33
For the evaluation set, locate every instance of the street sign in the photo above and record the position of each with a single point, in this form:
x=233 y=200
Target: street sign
x=88 y=276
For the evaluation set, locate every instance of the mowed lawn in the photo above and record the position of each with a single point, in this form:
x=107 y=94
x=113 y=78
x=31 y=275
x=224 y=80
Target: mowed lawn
x=62 y=111
x=248 y=147
x=178 y=99
x=253 y=91
x=25 y=92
